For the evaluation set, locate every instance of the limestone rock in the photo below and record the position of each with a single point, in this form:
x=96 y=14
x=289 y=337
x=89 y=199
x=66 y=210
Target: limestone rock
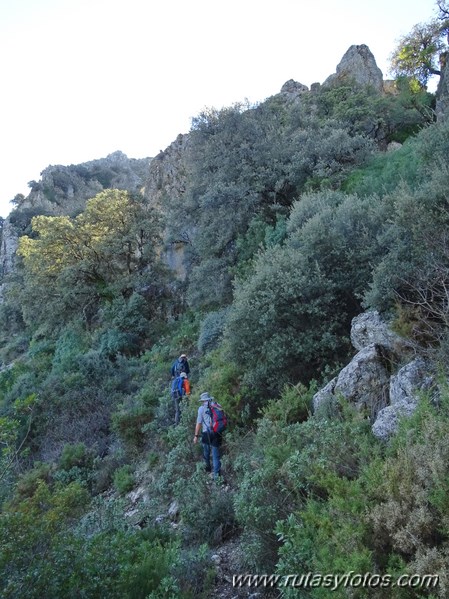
x=292 y=90
x=405 y=387
x=167 y=179
x=173 y=510
x=326 y=396
x=369 y=327
x=388 y=418
x=393 y=145
x=167 y=173
x=363 y=382
x=411 y=378
x=367 y=383
x=358 y=64
x=9 y=246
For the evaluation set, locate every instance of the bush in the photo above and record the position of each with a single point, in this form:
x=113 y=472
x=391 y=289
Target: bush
x=129 y=423
x=203 y=496
x=124 y=479
x=74 y=455
x=211 y=330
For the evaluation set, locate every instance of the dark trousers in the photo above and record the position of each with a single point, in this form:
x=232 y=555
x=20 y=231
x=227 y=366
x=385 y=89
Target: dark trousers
x=177 y=402
x=211 y=446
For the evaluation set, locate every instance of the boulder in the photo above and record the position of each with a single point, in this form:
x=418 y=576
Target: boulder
x=325 y=396
x=369 y=328
x=409 y=381
x=367 y=382
x=405 y=387
x=292 y=90
x=388 y=418
x=363 y=382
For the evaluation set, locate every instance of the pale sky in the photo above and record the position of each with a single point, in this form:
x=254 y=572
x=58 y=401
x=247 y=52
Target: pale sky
x=81 y=79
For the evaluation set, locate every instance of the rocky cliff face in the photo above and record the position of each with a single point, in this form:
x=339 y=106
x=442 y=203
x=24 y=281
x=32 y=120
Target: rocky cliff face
x=65 y=189
x=166 y=177
x=166 y=183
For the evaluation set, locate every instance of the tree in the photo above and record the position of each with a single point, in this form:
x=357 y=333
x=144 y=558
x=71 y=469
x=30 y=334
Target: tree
x=290 y=318
x=74 y=264
x=417 y=54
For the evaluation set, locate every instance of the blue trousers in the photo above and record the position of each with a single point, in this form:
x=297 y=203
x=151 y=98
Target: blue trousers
x=211 y=445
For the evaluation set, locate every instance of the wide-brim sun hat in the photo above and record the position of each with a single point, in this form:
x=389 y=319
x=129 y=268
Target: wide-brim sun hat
x=205 y=397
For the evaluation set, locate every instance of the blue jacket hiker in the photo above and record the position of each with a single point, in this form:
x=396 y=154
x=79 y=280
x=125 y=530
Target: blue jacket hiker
x=179 y=388
x=210 y=440
x=181 y=364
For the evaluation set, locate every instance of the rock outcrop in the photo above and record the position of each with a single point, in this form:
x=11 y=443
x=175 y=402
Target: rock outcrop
x=372 y=383
x=64 y=190
x=292 y=90
x=369 y=328
x=357 y=65
x=166 y=182
x=363 y=382
x=405 y=387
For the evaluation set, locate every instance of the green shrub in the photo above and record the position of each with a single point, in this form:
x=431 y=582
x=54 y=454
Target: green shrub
x=211 y=330
x=203 y=496
x=129 y=423
x=28 y=483
x=290 y=319
x=74 y=455
x=124 y=480
x=294 y=405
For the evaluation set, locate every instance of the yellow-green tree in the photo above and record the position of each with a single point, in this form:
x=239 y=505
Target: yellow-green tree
x=73 y=264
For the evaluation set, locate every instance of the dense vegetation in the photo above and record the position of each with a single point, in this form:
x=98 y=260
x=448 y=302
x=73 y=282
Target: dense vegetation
x=296 y=219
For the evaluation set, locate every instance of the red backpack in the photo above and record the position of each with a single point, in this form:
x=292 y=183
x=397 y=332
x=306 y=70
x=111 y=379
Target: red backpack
x=217 y=416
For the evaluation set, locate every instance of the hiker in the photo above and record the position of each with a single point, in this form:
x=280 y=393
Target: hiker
x=180 y=365
x=211 y=441
x=179 y=388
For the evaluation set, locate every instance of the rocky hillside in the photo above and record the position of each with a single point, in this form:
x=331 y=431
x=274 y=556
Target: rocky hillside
x=296 y=251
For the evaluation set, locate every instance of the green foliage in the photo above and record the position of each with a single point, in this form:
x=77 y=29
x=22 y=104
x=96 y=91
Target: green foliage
x=124 y=479
x=15 y=428
x=70 y=344
x=278 y=150
x=418 y=52
x=291 y=468
x=294 y=405
x=211 y=330
x=221 y=377
x=57 y=558
x=74 y=455
x=129 y=423
x=414 y=241
x=28 y=483
x=97 y=253
x=292 y=220
x=385 y=172
x=289 y=319
x=206 y=509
